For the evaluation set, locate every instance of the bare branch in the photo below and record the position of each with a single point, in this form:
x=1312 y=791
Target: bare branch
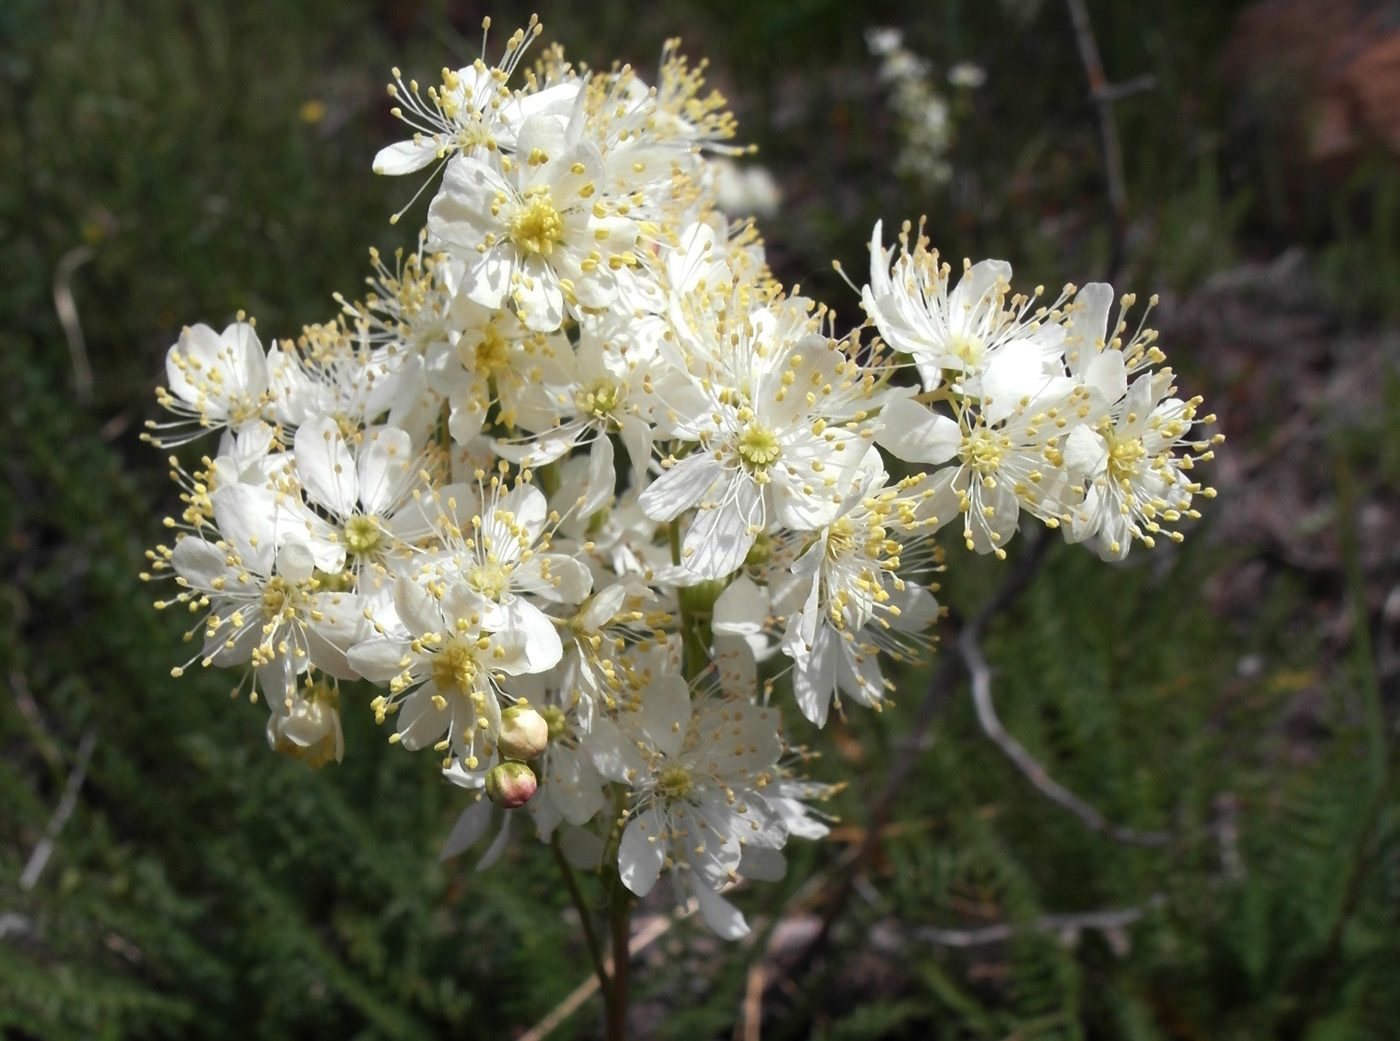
x=1030 y=766
x=1103 y=95
x=1103 y=921
x=68 y=318
x=39 y=859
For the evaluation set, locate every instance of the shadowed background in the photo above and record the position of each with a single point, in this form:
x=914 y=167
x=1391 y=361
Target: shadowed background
x=166 y=162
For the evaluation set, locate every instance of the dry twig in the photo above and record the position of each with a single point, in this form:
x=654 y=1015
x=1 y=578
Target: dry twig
x=39 y=859
x=1030 y=766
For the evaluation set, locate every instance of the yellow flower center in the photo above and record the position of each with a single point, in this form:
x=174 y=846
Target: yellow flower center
x=489 y=355
x=968 y=349
x=982 y=451
x=489 y=579
x=674 y=783
x=758 y=447
x=599 y=399
x=454 y=666
x=554 y=719
x=363 y=536
x=1124 y=457
x=764 y=546
x=537 y=225
x=840 y=538
x=280 y=599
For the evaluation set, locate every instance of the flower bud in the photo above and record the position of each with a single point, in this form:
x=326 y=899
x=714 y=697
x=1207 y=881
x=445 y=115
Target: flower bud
x=524 y=733
x=510 y=784
x=310 y=728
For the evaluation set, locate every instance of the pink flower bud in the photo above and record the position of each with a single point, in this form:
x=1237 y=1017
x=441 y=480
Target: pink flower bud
x=510 y=784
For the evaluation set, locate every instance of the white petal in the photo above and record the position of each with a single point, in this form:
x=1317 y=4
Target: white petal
x=405 y=156
x=386 y=467
x=720 y=538
x=468 y=830
x=719 y=914
x=378 y=660
x=916 y=435
x=665 y=712
x=742 y=609
x=613 y=755
x=641 y=852
x=763 y=865
x=326 y=467
x=681 y=487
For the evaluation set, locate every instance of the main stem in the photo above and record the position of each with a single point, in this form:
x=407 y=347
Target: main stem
x=620 y=919
x=585 y=916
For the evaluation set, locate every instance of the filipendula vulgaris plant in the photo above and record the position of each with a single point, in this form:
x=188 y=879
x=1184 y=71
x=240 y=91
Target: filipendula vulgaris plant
x=576 y=479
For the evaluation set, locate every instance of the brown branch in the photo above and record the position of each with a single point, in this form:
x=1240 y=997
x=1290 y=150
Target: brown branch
x=1103 y=94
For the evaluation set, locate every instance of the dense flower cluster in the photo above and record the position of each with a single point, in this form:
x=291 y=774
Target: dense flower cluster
x=576 y=480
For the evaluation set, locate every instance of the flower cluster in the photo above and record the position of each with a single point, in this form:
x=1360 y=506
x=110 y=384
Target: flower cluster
x=577 y=485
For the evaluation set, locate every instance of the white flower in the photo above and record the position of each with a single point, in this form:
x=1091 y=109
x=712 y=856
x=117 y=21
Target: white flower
x=310 y=729
x=473 y=110
x=496 y=543
x=697 y=796
x=1135 y=479
x=265 y=605
x=957 y=330
x=538 y=231
x=777 y=414
x=371 y=493
x=217 y=381
x=1009 y=452
x=444 y=667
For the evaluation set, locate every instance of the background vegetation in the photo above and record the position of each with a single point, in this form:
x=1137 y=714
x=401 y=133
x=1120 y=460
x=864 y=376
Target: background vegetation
x=171 y=161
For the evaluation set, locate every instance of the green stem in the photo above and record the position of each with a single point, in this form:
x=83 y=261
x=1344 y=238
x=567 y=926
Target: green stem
x=585 y=915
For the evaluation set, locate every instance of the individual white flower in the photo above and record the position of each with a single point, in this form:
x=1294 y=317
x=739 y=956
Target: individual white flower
x=572 y=790
x=310 y=730
x=217 y=381
x=497 y=544
x=953 y=331
x=697 y=796
x=745 y=190
x=444 y=661
x=1008 y=452
x=777 y=417
x=369 y=489
x=847 y=661
x=610 y=394
x=495 y=360
x=537 y=232
x=472 y=111
x=867 y=593
x=1134 y=460
x=265 y=606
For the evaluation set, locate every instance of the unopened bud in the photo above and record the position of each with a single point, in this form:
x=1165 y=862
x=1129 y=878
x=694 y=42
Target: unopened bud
x=524 y=733
x=510 y=784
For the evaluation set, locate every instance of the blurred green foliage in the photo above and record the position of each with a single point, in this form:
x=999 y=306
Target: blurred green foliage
x=185 y=160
